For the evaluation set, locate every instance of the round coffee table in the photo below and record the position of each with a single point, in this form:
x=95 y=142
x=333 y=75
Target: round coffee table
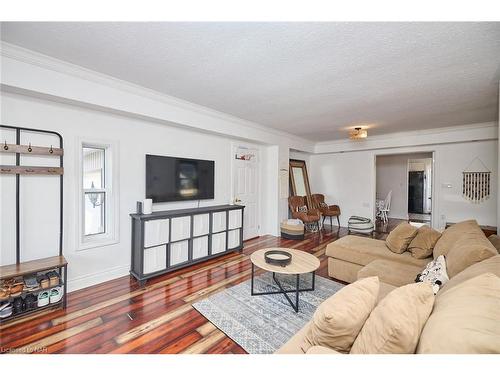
x=301 y=263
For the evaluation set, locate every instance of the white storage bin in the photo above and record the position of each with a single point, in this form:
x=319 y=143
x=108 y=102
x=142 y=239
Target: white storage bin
x=155 y=259
x=235 y=219
x=200 y=224
x=218 y=222
x=155 y=232
x=218 y=243
x=181 y=228
x=200 y=247
x=179 y=252
x=233 y=238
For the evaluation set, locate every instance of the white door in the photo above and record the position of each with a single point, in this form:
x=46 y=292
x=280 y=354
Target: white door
x=245 y=188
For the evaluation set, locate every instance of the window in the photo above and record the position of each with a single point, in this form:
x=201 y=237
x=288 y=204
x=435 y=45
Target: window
x=94 y=190
x=98 y=195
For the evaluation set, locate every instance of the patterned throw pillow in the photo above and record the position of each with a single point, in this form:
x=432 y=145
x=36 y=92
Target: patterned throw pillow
x=434 y=273
x=323 y=205
x=302 y=209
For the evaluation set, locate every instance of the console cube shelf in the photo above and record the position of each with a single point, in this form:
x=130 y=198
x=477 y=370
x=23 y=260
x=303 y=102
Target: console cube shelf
x=168 y=240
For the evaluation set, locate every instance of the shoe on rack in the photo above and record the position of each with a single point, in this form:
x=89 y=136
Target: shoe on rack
x=16 y=289
x=30 y=301
x=43 y=299
x=43 y=280
x=4 y=294
x=53 y=278
x=18 y=305
x=56 y=294
x=5 y=310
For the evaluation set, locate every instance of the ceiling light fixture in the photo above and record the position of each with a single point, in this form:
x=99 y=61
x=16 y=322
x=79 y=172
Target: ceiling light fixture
x=358 y=133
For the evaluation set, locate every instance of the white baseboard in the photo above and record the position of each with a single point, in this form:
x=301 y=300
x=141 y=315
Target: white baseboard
x=97 y=278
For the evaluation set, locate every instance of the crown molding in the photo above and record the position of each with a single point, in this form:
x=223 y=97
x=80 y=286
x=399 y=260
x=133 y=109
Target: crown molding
x=442 y=135
x=47 y=62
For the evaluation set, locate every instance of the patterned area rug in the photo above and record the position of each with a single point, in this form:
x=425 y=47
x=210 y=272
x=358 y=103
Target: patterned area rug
x=262 y=324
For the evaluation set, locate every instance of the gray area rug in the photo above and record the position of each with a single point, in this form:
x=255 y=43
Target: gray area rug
x=262 y=324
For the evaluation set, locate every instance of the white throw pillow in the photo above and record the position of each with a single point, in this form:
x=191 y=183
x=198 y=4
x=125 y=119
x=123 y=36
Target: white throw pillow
x=434 y=273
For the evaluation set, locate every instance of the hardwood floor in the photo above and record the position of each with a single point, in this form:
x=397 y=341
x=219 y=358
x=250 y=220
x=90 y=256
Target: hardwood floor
x=119 y=317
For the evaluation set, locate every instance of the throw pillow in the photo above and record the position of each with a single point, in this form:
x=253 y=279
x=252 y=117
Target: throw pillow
x=395 y=324
x=302 y=209
x=423 y=244
x=434 y=273
x=495 y=241
x=467 y=254
x=323 y=205
x=465 y=319
x=338 y=320
x=398 y=240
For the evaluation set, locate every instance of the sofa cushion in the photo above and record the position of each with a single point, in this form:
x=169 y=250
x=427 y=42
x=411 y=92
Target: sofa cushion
x=464 y=255
x=293 y=346
x=384 y=290
x=495 y=241
x=321 y=350
x=390 y=272
x=363 y=250
x=423 y=244
x=395 y=324
x=338 y=320
x=490 y=265
x=400 y=237
x=465 y=319
x=464 y=231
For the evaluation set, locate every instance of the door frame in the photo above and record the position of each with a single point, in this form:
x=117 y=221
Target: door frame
x=426 y=192
x=435 y=200
x=235 y=146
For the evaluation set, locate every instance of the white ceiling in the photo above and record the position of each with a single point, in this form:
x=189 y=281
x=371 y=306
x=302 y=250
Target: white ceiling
x=310 y=79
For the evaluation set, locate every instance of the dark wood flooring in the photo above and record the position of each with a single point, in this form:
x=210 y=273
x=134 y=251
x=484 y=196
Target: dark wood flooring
x=119 y=317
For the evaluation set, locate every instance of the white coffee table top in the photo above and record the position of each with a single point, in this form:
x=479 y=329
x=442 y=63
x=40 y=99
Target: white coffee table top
x=302 y=262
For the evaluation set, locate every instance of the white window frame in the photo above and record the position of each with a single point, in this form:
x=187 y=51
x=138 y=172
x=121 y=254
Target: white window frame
x=111 y=177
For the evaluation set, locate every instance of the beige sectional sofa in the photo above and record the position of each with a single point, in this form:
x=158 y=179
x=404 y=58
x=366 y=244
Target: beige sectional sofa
x=470 y=254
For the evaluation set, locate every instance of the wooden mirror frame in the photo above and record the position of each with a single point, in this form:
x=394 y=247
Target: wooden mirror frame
x=302 y=165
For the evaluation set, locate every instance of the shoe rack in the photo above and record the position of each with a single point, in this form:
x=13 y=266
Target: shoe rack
x=43 y=265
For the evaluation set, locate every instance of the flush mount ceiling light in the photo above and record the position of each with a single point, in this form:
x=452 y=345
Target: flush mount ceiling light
x=358 y=133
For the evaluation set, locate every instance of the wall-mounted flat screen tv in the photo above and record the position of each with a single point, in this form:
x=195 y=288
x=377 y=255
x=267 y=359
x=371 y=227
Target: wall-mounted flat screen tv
x=170 y=179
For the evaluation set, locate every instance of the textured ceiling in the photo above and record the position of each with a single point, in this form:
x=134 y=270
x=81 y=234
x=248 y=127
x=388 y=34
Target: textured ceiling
x=310 y=79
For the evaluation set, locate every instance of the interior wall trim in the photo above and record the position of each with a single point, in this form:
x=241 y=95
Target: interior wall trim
x=33 y=58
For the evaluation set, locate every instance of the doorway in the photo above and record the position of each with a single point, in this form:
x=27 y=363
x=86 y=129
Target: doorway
x=245 y=187
x=403 y=188
x=420 y=189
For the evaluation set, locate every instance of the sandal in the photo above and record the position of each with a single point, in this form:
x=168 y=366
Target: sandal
x=16 y=290
x=4 y=294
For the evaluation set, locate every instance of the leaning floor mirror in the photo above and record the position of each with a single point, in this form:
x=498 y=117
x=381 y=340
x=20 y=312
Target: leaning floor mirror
x=299 y=180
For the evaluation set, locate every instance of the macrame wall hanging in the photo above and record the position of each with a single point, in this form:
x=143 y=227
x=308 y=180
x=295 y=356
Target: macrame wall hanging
x=476 y=179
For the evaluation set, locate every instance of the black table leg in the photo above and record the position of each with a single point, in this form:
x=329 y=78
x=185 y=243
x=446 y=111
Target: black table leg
x=297 y=288
x=253 y=269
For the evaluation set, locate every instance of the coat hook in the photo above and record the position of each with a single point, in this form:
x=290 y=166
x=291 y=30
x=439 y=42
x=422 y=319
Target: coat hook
x=5 y=147
x=51 y=151
x=29 y=148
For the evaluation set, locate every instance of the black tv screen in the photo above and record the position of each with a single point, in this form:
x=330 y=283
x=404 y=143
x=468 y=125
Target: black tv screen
x=171 y=179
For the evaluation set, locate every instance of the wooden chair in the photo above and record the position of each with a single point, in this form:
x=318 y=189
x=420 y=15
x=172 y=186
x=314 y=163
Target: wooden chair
x=325 y=209
x=309 y=217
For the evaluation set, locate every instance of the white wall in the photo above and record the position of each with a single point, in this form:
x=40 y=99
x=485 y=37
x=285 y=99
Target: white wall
x=348 y=179
x=136 y=138
x=42 y=92
x=392 y=175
